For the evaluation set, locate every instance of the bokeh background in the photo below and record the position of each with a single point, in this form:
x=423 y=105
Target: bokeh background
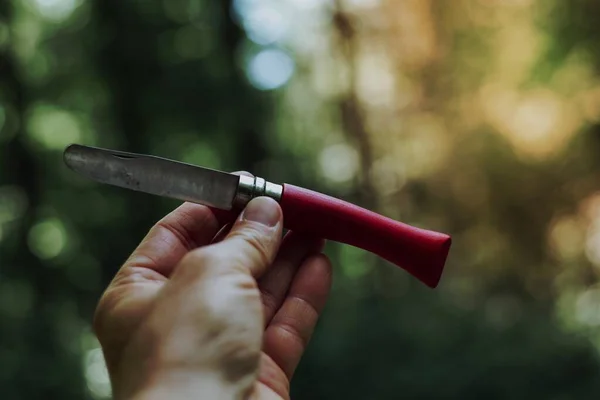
x=479 y=118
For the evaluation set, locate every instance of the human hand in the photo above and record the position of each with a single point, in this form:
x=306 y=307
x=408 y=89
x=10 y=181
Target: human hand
x=198 y=313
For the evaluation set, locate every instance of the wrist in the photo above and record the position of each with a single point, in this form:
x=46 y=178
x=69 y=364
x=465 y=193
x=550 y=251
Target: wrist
x=193 y=386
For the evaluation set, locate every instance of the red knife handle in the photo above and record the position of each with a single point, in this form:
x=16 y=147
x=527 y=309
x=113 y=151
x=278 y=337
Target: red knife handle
x=421 y=252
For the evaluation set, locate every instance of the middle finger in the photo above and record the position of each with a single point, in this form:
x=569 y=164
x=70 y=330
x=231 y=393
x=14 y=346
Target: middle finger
x=275 y=284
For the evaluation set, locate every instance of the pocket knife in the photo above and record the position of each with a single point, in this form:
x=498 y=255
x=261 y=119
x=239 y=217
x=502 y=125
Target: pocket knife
x=422 y=253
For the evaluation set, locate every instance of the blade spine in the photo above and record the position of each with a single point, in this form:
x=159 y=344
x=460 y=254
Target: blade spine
x=105 y=153
x=140 y=155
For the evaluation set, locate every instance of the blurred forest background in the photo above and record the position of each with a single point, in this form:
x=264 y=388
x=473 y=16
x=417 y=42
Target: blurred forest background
x=479 y=118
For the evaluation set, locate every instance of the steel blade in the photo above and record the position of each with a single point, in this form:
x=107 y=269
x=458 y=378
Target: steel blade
x=154 y=175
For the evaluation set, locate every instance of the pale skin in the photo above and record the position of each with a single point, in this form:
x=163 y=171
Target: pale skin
x=198 y=311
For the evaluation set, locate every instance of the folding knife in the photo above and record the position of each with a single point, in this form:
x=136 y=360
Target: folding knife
x=422 y=253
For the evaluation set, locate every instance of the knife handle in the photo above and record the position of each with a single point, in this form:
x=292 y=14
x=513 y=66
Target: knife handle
x=420 y=252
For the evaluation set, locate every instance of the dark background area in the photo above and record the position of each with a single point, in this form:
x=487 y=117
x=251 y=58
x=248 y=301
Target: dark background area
x=475 y=118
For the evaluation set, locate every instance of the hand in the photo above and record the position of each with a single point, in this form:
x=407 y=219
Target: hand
x=192 y=316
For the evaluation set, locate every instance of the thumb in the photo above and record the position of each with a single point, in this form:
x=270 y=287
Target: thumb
x=255 y=237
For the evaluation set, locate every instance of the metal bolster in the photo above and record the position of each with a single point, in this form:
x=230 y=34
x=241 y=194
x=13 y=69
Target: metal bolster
x=251 y=187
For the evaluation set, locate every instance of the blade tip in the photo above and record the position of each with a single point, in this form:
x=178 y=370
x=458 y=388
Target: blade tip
x=69 y=153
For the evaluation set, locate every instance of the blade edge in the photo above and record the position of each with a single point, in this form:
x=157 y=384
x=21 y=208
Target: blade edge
x=154 y=175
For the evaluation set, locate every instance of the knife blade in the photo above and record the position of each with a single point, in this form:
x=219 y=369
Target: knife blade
x=421 y=252
x=154 y=175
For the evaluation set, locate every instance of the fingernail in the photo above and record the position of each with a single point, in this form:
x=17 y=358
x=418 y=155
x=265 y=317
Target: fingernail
x=263 y=210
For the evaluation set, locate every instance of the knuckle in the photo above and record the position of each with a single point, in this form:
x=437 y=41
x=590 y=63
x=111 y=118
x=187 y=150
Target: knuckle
x=98 y=319
x=202 y=255
x=239 y=359
x=247 y=282
x=101 y=317
x=258 y=244
x=240 y=345
x=289 y=327
x=201 y=261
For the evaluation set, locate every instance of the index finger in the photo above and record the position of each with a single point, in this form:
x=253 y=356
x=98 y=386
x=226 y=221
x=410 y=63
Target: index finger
x=291 y=328
x=187 y=227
